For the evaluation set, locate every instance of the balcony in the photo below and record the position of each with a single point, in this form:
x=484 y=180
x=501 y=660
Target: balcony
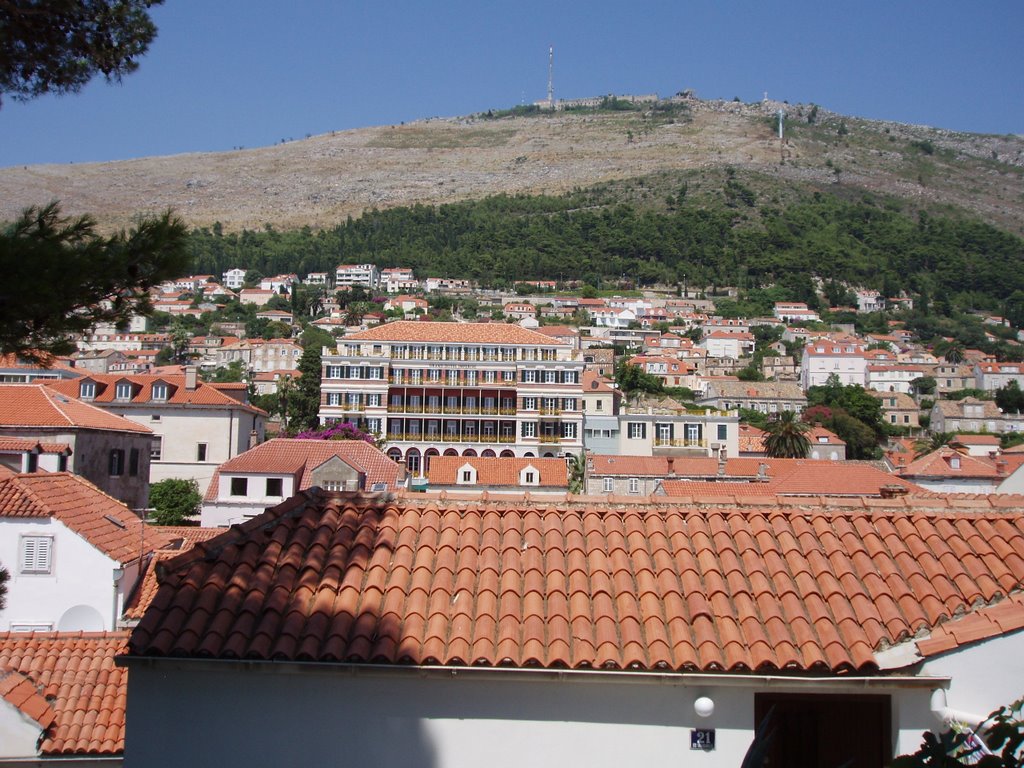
x=681 y=442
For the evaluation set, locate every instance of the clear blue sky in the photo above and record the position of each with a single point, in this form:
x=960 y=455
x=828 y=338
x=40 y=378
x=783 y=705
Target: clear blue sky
x=230 y=73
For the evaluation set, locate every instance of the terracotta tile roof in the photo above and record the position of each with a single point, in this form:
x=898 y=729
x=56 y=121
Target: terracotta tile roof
x=991 y=621
x=177 y=392
x=725 y=491
x=796 y=477
x=818 y=435
x=76 y=676
x=992 y=440
x=452 y=333
x=592 y=382
x=751 y=439
x=498 y=471
x=20 y=692
x=580 y=584
x=100 y=519
x=288 y=456
x=43 y=405
x=23 y=444
x=949 y=463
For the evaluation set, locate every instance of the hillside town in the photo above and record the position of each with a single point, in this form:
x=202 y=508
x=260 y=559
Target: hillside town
x=525 y=417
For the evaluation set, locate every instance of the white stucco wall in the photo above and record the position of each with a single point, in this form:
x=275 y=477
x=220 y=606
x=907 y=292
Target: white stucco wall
x=241 y=714
x=985 y=675
x=80 y=589
x=18 y=733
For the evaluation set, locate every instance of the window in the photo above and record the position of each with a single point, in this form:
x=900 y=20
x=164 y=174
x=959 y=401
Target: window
x=201 y=452
x=637 y=430
x=334 y=398
x=275 y=486
x=116 y=462
x=529 y=376
x=723 y=431
x=133 y=462
x=37 y=554
x=598 y=405
x=634 y=485
x=155 y=417
x=508 y=375
x=609 y=485
x=239 y=486
x=373 y=399
x=528 y=477
x=529 y=429
x=467 y=476
x=159 y=391
x=551 y=377
x=87 y=391
x=569 y=430
x=123 y=391
x=529 y=403
x=156 y=448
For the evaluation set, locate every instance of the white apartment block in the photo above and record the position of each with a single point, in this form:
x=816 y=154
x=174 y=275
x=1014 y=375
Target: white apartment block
x=398 y=280
x=262 y=355
x=350 y=275
x=894 y=378
x=457 y=389
x=823 y=358
x=233 y=278
x=993 y=376
x=795 y=312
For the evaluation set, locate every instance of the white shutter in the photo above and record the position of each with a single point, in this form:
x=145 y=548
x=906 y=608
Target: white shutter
x=36 y=554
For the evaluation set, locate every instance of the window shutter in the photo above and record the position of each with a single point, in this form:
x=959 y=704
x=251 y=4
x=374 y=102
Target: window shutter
x=36 y=554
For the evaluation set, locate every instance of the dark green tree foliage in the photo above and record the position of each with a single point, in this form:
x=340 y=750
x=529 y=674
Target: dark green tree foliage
x=174 y=501
x=57 y=46
x=1003 y=736
x=303 y=404
x=590 y=236
x=849 y=411
x=61 y=277
x=5 y=576
x=632 y=379
x=787 y=437
x=1010 y=398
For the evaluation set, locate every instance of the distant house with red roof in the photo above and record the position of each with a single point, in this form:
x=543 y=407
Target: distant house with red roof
x=948 y=470
x=74 y=553
x=497 y=474
x=279 y=468
x=195 y=426
x=49 y=430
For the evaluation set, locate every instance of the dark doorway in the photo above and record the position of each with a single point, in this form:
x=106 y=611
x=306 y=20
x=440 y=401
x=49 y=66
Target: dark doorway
x=827 y=731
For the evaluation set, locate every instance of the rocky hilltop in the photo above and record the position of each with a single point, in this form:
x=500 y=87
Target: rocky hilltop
x=322 y=179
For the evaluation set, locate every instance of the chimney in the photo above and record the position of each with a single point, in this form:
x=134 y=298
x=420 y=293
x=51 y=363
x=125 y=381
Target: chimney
x=403 y=475
x=671 y=466
x=762 y=473
x=254 y=439
x=1000 y=467
x=721 y=464
x=191 y=377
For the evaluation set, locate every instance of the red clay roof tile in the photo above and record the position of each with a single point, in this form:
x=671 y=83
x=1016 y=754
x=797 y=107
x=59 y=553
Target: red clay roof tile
x=616 y=586
x=78 y=682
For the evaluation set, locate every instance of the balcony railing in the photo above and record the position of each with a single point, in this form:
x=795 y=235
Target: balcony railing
x=681 y=442
x=441 y=439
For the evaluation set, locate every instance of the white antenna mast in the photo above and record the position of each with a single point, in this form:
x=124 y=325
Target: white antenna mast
x=551 y=77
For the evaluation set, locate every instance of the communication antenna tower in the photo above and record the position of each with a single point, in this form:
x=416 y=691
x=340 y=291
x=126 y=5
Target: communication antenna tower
x=551 y=76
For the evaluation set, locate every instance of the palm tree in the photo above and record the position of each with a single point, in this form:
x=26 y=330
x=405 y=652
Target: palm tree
x=931 y=443
x=955 y=353
x=787 y=437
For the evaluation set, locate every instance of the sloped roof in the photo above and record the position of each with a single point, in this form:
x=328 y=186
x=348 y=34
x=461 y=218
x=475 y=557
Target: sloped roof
x=452 y=333
x=498 y=471
x=100 y=519
x=76 y=675
x=583 y=584
x=939 y=464
x=992 y=621
x=37 y=406
x=799 y=477
x=289 y=456
x=177 y=392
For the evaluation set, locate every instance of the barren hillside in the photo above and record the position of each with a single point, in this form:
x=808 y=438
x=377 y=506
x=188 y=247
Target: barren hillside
x=321 y=180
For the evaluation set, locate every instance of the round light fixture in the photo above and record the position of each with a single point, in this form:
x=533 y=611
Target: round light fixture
x=703 y=706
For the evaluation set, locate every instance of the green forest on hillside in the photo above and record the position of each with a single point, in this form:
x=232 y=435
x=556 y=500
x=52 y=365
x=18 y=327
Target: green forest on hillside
x=591 y=237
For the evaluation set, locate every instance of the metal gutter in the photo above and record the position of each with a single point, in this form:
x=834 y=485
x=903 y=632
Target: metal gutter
x=721 y=679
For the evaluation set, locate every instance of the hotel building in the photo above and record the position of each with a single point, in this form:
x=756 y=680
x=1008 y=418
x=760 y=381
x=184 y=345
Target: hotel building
x=457 y=389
